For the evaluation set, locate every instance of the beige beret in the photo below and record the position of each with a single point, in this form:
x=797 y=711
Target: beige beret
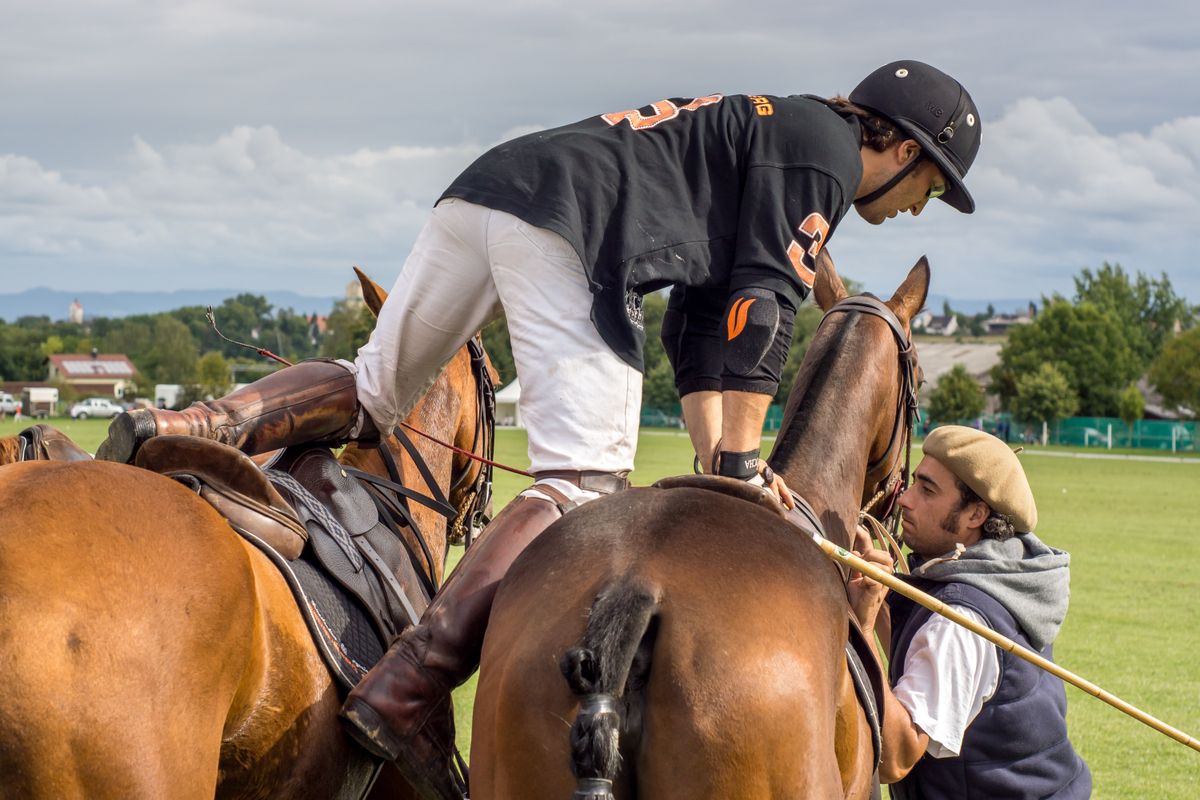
x=989 y=467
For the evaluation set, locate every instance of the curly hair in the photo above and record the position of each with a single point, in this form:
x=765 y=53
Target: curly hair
x=997 y=526
x=878 y=133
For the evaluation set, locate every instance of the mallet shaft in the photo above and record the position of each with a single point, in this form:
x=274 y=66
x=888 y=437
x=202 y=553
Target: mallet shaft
x=895 y=584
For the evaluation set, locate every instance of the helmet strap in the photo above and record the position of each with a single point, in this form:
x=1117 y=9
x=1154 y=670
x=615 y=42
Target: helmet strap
x=887 y=187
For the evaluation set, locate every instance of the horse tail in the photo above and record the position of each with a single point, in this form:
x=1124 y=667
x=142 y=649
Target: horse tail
x=620 y=621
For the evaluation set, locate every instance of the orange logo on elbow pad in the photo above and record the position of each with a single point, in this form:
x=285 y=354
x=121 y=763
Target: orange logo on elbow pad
x=737 y=316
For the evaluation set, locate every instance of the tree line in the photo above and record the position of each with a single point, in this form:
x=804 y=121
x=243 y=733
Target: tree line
x=1081 y=355
x=1085 y=354
x=181 y=347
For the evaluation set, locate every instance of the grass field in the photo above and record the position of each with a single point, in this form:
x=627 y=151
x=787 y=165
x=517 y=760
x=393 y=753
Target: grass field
x=1132 y=627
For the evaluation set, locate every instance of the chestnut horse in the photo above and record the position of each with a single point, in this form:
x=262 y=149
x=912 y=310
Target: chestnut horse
x=713 y=663
x=148 y=651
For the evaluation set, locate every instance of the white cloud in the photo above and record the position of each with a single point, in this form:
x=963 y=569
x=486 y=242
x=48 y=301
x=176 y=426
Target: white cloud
x=1053 y=195
x=247 y=209
x=250 y=208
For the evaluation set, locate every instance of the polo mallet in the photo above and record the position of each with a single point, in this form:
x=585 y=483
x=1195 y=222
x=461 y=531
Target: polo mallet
x=843 y=556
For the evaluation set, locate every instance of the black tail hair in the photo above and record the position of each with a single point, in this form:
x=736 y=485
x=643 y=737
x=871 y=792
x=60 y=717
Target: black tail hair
x=597 y=670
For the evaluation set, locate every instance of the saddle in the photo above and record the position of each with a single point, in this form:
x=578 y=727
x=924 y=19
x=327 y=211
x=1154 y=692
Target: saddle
x=336 y=544
x=231 y=483
x=863 y=666
x=43 y=442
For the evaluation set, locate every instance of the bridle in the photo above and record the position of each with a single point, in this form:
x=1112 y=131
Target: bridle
x=475 y=518
x=895 y=471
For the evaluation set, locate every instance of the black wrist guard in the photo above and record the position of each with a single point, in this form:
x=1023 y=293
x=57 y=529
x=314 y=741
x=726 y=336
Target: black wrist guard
x=742 y=466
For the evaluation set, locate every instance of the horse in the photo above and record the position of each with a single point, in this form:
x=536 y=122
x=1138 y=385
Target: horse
x=702 y=637
x=150 y=652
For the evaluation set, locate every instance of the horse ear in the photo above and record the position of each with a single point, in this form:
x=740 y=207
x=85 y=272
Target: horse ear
x=828 y=288
x=910 y=297
x=373 y=293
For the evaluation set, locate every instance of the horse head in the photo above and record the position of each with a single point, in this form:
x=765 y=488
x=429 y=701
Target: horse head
x=854 y=400
x=10 y=449
x=455 y=410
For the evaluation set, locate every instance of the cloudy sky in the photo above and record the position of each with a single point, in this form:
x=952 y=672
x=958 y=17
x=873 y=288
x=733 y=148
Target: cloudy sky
x=264 y=143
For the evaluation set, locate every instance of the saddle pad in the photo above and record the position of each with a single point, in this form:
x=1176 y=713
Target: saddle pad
x=341 y=629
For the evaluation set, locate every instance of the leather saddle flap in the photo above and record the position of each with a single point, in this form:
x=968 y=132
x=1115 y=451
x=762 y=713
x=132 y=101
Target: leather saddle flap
x=731 y=486
x=47 y=443
x=374 y=565
x=232 y=484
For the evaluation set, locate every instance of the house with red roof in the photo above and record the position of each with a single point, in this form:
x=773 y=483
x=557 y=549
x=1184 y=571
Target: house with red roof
x=103 y=375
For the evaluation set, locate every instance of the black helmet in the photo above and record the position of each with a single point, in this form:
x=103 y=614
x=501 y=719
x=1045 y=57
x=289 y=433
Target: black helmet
x=932 y=108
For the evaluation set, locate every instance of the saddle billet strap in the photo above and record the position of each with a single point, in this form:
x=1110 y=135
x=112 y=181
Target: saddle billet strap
x=320 y=512
x=394 y=515
x=385 y=572
x=358 y=549
x=868 y=691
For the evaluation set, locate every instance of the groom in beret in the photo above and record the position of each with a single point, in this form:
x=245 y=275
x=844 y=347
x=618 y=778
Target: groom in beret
x=962 y=718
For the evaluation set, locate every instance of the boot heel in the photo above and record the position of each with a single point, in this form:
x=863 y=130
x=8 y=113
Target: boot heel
x=367 y=728
x=125 y=435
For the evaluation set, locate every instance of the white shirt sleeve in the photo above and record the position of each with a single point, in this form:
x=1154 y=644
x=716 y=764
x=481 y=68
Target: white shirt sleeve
x=949 y=673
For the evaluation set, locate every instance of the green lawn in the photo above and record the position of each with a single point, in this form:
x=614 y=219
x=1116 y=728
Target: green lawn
x=1132 y=625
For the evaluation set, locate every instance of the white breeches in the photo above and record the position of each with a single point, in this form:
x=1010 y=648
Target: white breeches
x=470 y=264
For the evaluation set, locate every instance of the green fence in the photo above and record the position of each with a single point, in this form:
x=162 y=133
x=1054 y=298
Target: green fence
x=1173 y=436
x=673 y=418
x=1151 y=434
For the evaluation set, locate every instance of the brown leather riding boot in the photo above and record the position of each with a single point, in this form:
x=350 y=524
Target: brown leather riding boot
x=313 y=401
x=401 y=710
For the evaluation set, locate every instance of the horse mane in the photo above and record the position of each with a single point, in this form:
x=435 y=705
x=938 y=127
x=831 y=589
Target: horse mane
x=809 y=390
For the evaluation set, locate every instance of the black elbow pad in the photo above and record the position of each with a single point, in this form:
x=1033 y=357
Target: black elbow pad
x=751 y=323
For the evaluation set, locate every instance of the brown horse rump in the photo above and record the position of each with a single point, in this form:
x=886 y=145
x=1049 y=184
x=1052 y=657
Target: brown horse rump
x=335 y=543
x=867 y=678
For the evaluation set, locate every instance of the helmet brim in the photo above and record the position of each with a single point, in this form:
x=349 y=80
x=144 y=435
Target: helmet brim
x=956 y=192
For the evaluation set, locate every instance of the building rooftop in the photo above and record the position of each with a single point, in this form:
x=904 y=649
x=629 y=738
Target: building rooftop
x=76 y=366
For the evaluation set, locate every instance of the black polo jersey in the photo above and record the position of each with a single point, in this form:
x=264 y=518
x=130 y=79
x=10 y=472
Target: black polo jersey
x=717 y=192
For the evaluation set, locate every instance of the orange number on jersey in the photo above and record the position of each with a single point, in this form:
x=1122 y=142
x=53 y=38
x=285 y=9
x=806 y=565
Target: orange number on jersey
x=663 y=111
x=812 y=232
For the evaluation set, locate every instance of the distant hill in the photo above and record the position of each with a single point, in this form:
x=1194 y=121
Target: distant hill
x=971 y=307
x=54 y=304
x=51 y=303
